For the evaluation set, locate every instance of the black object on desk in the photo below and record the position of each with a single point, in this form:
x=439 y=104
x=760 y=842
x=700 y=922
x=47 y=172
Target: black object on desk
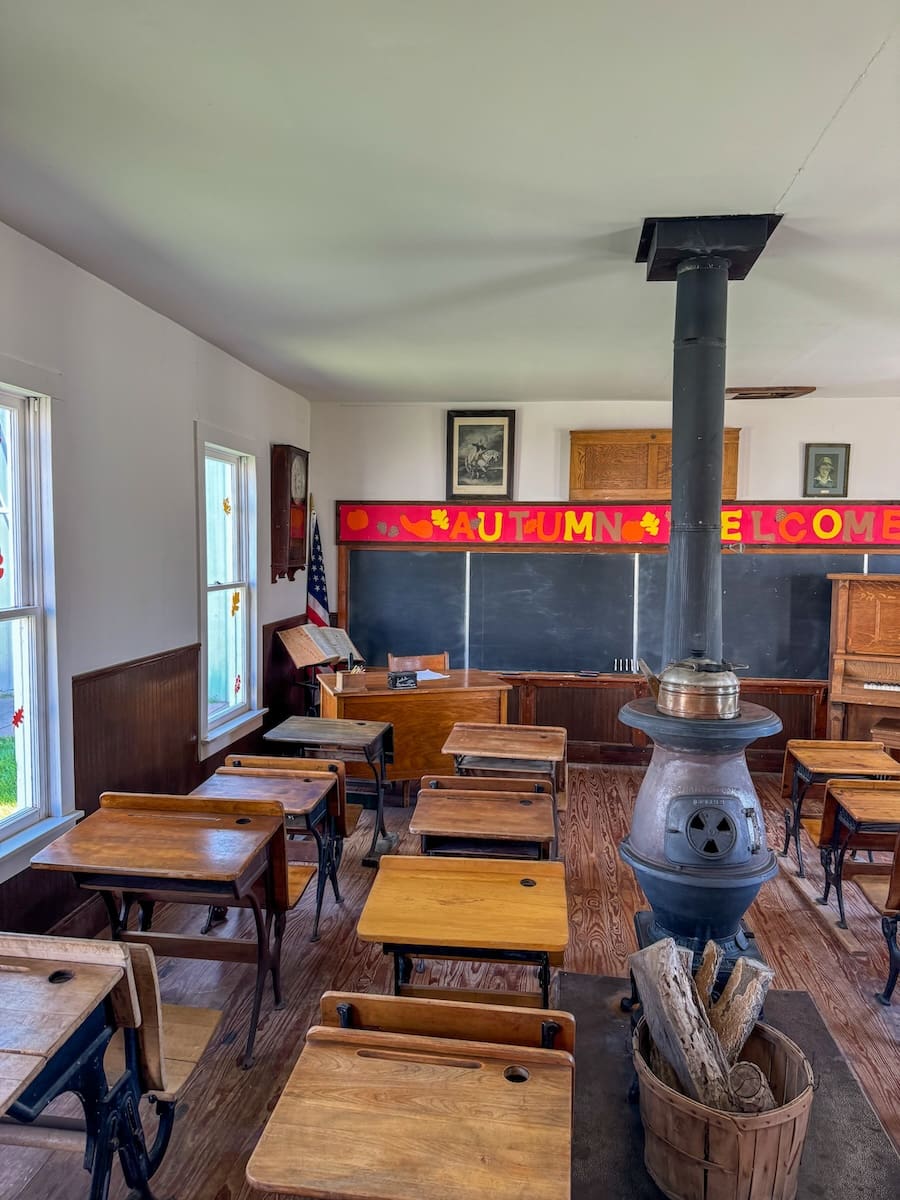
x=401 y=680
x=371 y=742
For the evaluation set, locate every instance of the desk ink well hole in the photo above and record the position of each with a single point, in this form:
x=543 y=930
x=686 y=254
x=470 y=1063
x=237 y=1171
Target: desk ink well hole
x=516 y=1075
x=526 y=803
x=60 y=976
x=527 y=883
x=242 y=821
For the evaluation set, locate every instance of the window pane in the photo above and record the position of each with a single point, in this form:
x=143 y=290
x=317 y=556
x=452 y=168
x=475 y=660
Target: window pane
x=7 y=495
x=222 y=520
x=227 y=652
x=18 y=718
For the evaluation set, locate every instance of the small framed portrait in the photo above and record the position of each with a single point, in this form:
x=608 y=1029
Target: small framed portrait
x=826 y=469
x=480 y=454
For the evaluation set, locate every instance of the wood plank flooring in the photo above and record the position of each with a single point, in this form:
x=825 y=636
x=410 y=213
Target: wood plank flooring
x=225 y=1108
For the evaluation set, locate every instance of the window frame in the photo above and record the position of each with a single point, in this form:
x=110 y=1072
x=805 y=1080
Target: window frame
x=237 y=721
x=24 y=833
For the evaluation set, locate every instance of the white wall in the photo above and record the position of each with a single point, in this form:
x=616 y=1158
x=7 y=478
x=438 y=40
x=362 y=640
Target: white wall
x=398 y=451
x=128 y=385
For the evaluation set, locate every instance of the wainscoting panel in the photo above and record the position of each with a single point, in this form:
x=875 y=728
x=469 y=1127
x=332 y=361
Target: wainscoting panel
x=135 y=730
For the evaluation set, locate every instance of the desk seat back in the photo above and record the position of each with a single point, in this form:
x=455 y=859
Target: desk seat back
x=502 y=1024
x=486 y=783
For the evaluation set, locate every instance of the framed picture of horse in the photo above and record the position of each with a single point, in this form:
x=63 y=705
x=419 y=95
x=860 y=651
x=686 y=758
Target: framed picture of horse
x=480 y=454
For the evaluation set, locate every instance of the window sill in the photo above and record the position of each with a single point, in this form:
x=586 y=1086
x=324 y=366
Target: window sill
x=223 y=735
x=17 y=850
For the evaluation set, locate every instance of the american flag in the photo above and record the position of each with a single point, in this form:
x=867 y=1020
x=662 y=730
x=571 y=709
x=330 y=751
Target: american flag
x=316 y=587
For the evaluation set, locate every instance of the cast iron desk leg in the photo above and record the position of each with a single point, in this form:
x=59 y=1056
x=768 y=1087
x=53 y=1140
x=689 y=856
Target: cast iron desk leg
x=889 y=929
x=799 y=786
x=833 y=863
x=379 y=833
x=111 y=1114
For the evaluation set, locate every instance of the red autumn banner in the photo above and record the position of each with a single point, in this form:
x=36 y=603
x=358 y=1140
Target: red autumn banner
x=743 y=522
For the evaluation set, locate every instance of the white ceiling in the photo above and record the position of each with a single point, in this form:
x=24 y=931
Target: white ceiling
x=440 y=199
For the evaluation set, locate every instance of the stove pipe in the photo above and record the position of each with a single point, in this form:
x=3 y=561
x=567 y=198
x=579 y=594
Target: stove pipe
x=693 y=613
x=697 y=841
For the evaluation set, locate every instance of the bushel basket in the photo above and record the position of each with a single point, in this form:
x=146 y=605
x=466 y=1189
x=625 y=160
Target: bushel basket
x=693 y=1152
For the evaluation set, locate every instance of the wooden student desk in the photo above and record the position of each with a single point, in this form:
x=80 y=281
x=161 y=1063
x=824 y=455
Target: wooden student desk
x=423 y=716
x=810 y=762
x=305 y=800
x=500 y=824
x=61 y=1002
x=479 y=748
x=441 y=1100
x=174 y=853
x=481 y=909
x=361 y=740
x=855 y=809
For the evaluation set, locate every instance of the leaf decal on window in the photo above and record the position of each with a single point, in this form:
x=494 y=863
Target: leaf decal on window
x=18 y=717
x=237 y=685
x=235 y=603
x=226 y=507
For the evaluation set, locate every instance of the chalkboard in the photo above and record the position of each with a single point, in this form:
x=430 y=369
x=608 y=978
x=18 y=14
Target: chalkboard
x=776 y=611
x=407 y=602
x=545 y=611
x=550 y=612
x=884 y=564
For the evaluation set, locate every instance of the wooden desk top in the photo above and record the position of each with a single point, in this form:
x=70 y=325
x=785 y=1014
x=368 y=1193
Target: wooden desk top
x=844 y=758
x=162 y=845
x=321 y=731
x=376 y=684
x=509 y=816
x=299 y=795
x=467 y=902
x=36 y=1016
x=385 y=1116
x=869 y=805
x=541 y=743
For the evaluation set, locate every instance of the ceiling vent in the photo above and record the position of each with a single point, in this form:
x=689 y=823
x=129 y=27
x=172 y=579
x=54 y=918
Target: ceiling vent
x=767 y=393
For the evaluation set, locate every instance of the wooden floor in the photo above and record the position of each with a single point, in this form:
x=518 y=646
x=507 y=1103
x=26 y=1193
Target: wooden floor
x=225 y=1108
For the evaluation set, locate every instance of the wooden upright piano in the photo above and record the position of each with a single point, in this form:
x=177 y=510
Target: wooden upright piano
x=864 y=672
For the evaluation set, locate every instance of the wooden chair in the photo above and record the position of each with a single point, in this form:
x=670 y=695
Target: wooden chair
x=883 y=893
x=172 y=1037
x=159 y=1044
x=419 y=662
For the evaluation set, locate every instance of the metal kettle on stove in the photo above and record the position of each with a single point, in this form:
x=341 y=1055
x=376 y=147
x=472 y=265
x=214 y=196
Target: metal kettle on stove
x=696 y=688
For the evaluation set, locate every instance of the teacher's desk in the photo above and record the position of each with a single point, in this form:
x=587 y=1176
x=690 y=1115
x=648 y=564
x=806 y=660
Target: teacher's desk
x=423 y=716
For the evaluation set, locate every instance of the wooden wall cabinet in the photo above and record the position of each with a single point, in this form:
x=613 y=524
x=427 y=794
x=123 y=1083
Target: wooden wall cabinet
x=633 y=464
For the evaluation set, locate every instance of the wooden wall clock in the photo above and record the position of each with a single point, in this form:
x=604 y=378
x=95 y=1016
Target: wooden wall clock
x=290 y=477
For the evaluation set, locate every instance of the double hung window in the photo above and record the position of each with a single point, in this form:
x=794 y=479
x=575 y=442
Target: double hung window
x=228 y=573
x=24 y=774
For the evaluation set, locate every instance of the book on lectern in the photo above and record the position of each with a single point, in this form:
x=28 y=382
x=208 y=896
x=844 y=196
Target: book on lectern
x=313 y=645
